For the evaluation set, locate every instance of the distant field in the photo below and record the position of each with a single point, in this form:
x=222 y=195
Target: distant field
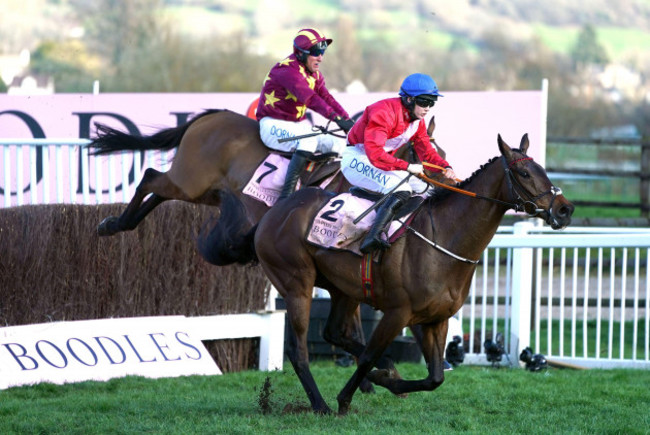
x=380 y=25
x=566 y=158
x=618 y=41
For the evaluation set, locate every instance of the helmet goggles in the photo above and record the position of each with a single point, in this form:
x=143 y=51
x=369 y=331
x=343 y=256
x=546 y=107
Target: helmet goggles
x=425 y=100
x=318 y=49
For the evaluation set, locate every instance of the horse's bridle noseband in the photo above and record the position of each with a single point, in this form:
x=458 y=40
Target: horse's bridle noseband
x=524 y=202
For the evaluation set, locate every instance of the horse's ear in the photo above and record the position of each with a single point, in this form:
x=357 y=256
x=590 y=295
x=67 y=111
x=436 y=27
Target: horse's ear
x=504 y=148
x=523 y=146
x=432 y=126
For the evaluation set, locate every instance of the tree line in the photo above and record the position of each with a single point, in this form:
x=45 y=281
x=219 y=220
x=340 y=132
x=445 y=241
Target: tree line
x=128 y=47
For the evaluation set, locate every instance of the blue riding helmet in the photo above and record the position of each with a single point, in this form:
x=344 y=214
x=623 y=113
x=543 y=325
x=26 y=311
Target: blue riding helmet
x=419 y=84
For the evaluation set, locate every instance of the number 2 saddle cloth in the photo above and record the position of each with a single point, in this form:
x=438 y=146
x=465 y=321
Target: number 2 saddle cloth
x=333 y=226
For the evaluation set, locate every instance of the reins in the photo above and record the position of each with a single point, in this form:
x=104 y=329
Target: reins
x=467 y=192
x=515 y=187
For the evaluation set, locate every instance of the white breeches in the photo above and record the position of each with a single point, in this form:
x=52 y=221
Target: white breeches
x=358 y=170
x=271 y=130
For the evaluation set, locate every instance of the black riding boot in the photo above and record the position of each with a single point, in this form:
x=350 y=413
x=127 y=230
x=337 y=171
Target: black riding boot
x=298 y=163
x=385 y=215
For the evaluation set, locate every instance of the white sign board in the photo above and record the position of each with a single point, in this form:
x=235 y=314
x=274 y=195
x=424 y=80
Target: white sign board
x=62 y=352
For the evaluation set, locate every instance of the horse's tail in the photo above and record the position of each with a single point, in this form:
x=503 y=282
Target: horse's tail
x=228 y=239
x=110 y=140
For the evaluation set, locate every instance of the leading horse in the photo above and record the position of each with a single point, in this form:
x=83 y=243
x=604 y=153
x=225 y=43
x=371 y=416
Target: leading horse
x=415 y=282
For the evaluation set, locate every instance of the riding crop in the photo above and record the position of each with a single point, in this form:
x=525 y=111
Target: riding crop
x=322 y=131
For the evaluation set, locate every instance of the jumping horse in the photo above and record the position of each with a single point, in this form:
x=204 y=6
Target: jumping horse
x=217 y=151
x=415 y=282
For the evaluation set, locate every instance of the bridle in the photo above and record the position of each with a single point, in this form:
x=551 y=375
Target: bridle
x=524 y=202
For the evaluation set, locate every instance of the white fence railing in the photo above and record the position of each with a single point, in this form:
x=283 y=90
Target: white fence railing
x=44 y=171
x=579 y=295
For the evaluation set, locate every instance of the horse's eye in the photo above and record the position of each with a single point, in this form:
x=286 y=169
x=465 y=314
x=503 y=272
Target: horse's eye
x=525 y=174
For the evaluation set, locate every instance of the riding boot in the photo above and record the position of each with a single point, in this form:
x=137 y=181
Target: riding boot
x=385 y=215
x=298 y=163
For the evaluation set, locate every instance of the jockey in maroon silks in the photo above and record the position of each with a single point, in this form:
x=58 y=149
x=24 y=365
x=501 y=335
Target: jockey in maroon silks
x=292 y=86
x=384 y=127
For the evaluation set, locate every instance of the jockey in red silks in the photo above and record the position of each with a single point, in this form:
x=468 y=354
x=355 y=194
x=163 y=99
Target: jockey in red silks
x=382 y=129
x=293 y=85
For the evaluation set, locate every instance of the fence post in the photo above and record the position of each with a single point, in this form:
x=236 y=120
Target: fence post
x=522 y=283
x=645 y=177
x=272 y=343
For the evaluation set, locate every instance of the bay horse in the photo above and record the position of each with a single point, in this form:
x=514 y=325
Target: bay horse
x=218 y=151
x=421 y=281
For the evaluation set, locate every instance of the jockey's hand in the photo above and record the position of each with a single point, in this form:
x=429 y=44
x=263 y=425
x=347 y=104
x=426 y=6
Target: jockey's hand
x=415 y=168
x=449 y=173
x=344 y=124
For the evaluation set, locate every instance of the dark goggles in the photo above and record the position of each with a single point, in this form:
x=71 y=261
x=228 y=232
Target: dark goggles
x=318 y=49
x=428 y=101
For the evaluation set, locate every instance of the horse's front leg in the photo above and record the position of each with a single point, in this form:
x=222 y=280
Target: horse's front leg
x=432 y=342
x=298 y=313
x=344 y=329
x=389 y=326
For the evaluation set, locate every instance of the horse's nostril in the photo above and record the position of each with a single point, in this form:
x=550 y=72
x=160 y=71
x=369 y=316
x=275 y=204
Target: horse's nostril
x=565 y=211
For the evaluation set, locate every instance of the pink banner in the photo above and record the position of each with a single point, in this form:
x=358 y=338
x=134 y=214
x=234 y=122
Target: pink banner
x=467 y=122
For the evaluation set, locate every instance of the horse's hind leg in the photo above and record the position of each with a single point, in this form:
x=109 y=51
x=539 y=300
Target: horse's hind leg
x=154 y=182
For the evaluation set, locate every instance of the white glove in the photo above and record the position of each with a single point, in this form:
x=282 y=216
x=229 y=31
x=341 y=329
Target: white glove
x=415 y=168
x=449 y=173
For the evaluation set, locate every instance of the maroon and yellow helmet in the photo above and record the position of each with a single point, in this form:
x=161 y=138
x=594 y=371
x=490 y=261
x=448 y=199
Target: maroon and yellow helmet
x=310 y=42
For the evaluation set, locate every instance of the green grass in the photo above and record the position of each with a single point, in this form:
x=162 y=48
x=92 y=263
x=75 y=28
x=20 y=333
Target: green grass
x=472 y=400
x=618 y=42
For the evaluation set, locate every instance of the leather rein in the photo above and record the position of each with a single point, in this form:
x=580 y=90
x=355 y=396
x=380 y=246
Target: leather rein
x=523 y=201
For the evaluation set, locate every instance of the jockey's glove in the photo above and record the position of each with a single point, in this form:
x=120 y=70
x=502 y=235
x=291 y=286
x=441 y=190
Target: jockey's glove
x=415 y=168
x=344 y=124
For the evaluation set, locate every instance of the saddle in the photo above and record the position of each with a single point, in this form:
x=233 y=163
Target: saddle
x=321 y=167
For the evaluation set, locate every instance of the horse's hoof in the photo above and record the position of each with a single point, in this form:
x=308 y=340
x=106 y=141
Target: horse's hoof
x=107 y=227
x=344 y=409
x=366 y=386
x=378 y=375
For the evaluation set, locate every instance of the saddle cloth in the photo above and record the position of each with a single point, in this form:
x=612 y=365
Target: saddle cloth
x=333 y=225
x=268 y=179
x=266 y=183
